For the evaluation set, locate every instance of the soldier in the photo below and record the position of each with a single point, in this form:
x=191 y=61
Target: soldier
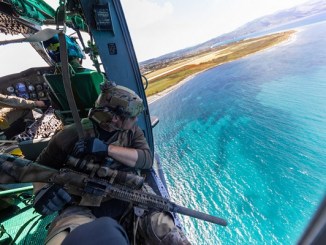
x=74 y=52
x=111 y=132
x=14 y=112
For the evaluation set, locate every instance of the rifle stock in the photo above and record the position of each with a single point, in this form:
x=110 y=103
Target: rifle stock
x=92 y=191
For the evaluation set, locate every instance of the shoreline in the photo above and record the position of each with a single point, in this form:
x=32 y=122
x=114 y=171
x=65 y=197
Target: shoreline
x=159 y=95
x=165 y=92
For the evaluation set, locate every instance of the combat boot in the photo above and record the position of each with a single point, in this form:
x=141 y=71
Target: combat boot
x=158 y=228
x=175 y=236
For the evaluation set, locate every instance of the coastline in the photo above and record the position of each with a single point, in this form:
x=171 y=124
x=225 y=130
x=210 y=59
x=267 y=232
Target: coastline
x=159 y=95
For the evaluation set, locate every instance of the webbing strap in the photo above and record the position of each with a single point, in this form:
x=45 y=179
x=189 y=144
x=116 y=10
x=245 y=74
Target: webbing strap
x=67 y=84
x=135 y=227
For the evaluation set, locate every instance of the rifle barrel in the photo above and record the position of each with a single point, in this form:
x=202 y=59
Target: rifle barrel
x=147 y=200
x=198 y=215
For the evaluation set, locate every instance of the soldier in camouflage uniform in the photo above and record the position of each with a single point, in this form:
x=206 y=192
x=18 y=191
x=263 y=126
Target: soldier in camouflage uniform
x=111 y=131
x=14 y=110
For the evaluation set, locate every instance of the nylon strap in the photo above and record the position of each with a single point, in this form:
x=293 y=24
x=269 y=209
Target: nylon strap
x=67 y=84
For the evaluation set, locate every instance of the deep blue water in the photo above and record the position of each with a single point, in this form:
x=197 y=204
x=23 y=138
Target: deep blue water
x=246 y=141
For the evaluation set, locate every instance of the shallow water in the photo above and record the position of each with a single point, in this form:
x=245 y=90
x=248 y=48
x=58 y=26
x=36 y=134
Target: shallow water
x=246 y=141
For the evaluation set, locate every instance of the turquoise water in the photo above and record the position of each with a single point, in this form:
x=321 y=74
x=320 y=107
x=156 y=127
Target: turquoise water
x=246 y=141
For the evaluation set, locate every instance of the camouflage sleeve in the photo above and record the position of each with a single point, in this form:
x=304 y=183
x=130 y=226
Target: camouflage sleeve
x=59 y=147
x=145 y=159
x=16 y=102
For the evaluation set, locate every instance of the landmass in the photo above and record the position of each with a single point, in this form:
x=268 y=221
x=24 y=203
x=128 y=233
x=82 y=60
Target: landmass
x=165 y=77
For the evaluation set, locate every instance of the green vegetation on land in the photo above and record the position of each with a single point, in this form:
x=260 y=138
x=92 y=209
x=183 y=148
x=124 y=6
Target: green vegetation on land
x=215 y=57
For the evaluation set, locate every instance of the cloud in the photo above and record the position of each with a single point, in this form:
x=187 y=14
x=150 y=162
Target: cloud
x=143 y=13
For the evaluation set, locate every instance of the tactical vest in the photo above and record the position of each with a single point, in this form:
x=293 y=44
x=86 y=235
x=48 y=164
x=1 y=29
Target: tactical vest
x=119 y=138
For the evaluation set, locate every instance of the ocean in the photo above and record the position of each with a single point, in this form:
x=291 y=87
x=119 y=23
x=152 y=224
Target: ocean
x=246 y=141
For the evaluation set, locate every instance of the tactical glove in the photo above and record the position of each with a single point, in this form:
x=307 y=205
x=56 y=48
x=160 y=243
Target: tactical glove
x=51 y=198
x=91 y=146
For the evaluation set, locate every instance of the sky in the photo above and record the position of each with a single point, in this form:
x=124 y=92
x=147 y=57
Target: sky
x=158 y=27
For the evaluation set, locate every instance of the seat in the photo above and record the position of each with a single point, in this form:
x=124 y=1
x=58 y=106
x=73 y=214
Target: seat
x=31 y=149
x=85 y=86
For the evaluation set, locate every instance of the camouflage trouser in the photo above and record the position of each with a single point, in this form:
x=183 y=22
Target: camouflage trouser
x=67 y=221
x=10 y=115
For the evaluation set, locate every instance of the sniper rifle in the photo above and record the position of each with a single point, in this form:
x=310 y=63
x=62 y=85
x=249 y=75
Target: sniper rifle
x=91 y=190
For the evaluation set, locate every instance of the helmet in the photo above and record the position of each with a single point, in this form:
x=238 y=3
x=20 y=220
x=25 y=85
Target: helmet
x=116 y=100
x=52 y=47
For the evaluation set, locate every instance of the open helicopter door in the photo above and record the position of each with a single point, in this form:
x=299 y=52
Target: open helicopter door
x=108 y=27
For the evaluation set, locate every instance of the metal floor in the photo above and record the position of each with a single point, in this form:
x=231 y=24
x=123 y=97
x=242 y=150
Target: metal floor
x=20 y=224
